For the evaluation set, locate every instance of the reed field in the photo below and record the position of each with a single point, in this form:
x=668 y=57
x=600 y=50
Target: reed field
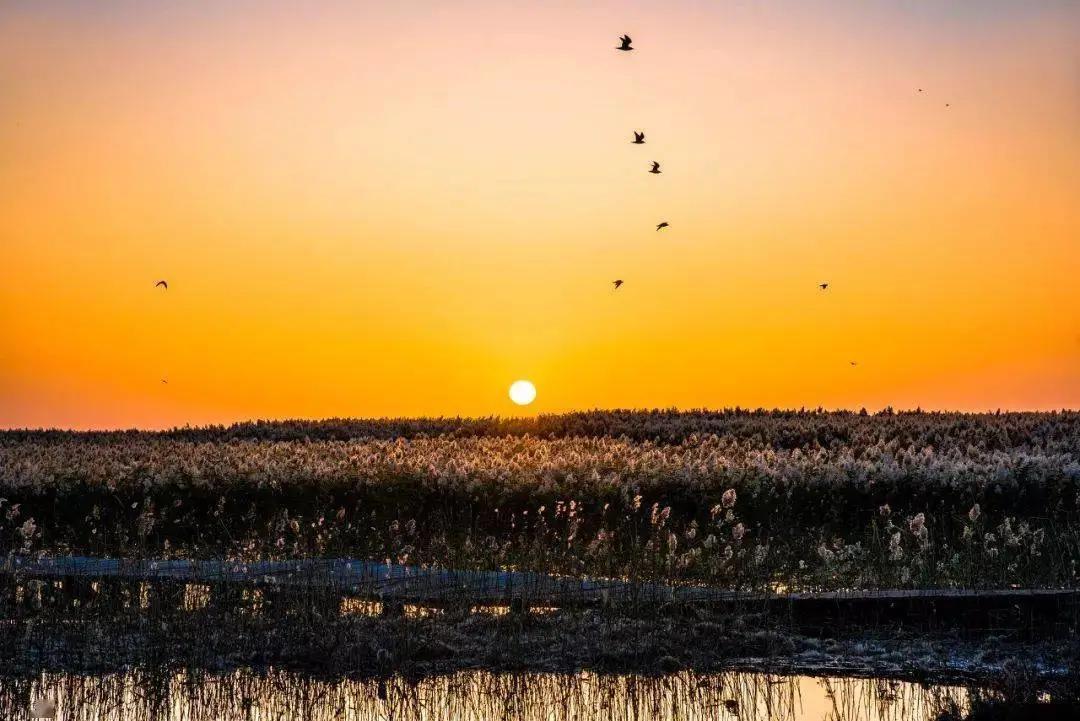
x=741 y=499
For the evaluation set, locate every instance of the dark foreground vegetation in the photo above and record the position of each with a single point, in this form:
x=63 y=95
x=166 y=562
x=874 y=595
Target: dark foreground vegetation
x=184 y=627
x=799 y=500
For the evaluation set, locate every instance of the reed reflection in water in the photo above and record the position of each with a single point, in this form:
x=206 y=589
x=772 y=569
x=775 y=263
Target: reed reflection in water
x=476 y=696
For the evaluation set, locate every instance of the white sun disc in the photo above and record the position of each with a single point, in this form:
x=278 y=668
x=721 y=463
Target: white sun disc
x=522 y=392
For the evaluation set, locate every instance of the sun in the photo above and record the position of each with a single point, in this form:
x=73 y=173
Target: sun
x=522 y=392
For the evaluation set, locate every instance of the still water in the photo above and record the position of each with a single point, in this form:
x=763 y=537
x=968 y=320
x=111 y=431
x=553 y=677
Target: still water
x=476 y=696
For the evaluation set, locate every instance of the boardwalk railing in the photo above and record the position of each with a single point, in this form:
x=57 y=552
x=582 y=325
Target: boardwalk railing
x=398 y=584
x=369 y=579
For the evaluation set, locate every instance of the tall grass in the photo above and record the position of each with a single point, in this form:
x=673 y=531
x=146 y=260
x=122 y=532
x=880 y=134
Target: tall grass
x=742 y=499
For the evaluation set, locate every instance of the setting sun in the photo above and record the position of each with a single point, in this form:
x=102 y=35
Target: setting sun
x=522 y=392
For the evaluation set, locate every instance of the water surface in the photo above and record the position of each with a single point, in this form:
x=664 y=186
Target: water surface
x=478 y=696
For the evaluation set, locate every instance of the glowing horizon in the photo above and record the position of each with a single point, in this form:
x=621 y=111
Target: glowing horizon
x=390 y=211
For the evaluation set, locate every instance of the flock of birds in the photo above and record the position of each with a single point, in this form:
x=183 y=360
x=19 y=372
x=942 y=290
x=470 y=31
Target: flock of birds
x=625 y=45
x=639 y=139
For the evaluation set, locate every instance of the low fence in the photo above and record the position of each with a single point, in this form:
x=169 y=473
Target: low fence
x=78 y=579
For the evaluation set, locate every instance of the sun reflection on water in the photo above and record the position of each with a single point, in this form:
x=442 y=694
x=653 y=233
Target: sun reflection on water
x=478 y=696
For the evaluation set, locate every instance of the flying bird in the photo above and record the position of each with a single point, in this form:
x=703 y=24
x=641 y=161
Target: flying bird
x=946 y=105
x=664 y=224
x=823 y=286
x=655 y=168
x=617 y=283
x=162 y=283
x=920 y=90
x=166 y=382
x=639 y=138
x=853 y=363
x=625 y=39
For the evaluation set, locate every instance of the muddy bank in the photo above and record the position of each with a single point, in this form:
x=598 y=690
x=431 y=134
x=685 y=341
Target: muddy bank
x=359 y=645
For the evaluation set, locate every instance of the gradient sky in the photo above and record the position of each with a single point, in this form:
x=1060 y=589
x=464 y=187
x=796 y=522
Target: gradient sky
x=400 y=208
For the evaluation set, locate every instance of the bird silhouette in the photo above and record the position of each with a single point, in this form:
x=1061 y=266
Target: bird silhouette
x=823 y=286
x=162 y=283
x=617 y=283
x=853 y=363
x=164 y=381
x=625 y=39
x=655 y=168
x=663 y=224
x=639 y=138
x=920 y=90
x=946 y=105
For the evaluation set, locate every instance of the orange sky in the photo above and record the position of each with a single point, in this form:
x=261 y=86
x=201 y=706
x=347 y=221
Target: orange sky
x=400 y=208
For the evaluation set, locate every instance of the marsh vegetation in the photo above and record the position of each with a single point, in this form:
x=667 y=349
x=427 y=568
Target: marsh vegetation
x=739 y=499
x=736 y=500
